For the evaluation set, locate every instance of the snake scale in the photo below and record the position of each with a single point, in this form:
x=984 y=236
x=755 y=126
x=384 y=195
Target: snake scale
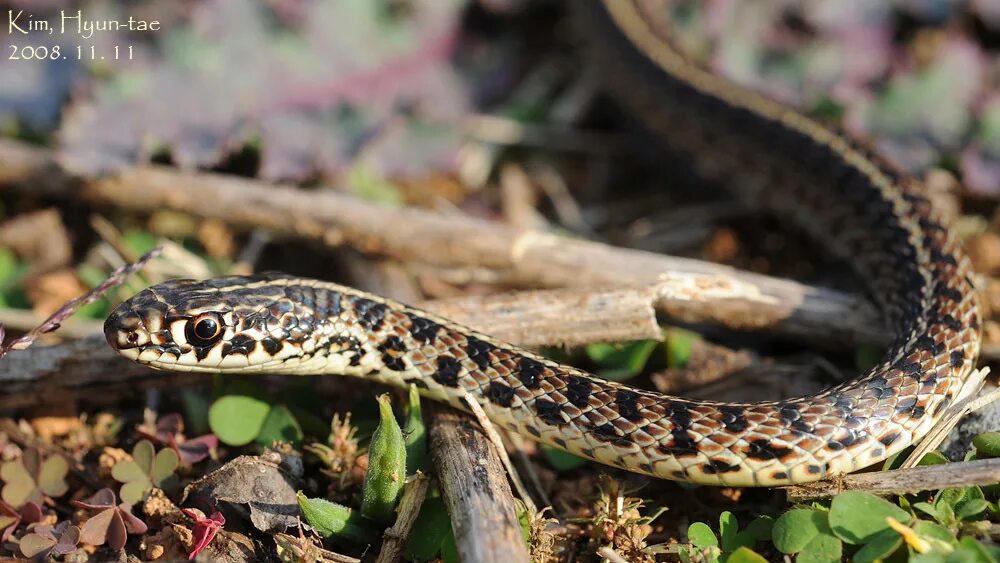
x=863 y=209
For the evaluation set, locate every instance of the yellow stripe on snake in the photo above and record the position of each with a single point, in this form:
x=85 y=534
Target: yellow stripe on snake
x=862 y=209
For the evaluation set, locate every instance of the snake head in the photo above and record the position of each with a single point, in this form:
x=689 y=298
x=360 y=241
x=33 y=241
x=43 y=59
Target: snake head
x=227 y=324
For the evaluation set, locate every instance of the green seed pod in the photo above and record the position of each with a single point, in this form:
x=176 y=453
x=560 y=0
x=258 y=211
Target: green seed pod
x=415 y=434
x=332 y=519
x=386 y=466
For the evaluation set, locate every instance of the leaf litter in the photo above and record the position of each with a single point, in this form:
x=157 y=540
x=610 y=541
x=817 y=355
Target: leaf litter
x=309 y=100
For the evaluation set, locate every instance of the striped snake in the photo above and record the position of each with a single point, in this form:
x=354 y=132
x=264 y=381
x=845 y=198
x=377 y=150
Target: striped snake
x=864 y=210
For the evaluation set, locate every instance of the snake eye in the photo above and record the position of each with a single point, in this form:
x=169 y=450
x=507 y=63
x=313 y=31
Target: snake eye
x=206 y=328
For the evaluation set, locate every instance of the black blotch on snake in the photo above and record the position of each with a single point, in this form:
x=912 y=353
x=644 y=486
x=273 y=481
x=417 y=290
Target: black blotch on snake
x=500 y=393
x=577 y=390
x=549 y=411
x=528 y=371
x=447 y=372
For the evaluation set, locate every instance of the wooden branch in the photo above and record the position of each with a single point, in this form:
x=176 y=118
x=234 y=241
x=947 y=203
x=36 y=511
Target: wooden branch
x=557 y=317
x=475 y=490
x=709 y=293
x=903 y=481
x=52 y=373
x=394 y=539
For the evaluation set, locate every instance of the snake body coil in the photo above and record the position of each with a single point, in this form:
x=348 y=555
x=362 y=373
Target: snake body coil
x=780 y=160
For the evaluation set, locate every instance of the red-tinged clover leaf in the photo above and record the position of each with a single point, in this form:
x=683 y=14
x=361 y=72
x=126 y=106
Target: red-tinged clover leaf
x=311 y=100
x=45 y=540
x=196 y=449
x=167 y=426
x=29 y=479
x=147 y=469
x=110 y=523
x=11 y=517
x=205 y=529
x=169 y=430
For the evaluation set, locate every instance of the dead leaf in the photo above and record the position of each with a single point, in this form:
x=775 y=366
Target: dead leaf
x=266 y=483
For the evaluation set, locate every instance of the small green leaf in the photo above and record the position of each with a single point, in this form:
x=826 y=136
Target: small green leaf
x=977 y=552
x=932 y=458
x=987 y=444
x=415 y=434
x=621 y=361
x=745 y=555
x=19 y=485
x=824 y=548
x=679 y=344
x=332 y=519
x=856 y=517
x=386 y=473
x=796 y=528
x=560 y=460
x=126 y=471
x=879 y=547
x=524 y=521
x=758 y=529
x=933 y=530
x=279 y=426
x=164 y=465
x=728 y=528
x=429 y=530
x=928 y=508
x=237 y=419
x=135 y=492
x=701 y=535
x=143 y=453
x=449 y=551
x=52 y=476
x=972 y=503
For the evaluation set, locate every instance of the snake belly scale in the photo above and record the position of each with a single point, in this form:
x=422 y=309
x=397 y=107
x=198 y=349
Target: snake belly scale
x=863 y=210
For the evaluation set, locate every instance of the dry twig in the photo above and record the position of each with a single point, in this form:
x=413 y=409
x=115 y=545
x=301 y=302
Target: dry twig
x=491 y=433
x=394 y=539
x=53 y=321
x=476 y=493
x=903 y=481
x=304 y=550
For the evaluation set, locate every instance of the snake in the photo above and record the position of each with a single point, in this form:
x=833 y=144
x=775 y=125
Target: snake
x=860 y=207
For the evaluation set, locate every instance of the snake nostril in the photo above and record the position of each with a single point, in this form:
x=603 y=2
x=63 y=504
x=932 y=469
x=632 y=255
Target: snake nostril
x=121 y=329
x=111 y=330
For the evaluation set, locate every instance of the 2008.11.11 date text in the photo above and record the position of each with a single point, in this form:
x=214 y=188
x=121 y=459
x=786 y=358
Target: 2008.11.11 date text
x=80 y=53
